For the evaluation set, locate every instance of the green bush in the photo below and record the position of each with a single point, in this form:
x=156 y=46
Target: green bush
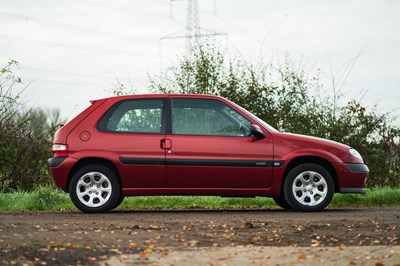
x=25 y=137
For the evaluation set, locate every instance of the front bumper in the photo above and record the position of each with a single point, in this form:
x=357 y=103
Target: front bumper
x=352 y=177
x=358 y=167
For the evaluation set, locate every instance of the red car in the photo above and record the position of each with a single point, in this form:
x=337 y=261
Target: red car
x=195 y=145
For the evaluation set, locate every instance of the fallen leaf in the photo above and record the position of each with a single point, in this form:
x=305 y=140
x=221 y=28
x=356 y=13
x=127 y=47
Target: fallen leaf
x=92 y=259
x=314 y=243
x=116 y=251
x=143 y=255
x=302 y=257
x=299 y=227
x=133 y=245
x=193 y=242
x=342 y=246
x=150 y=249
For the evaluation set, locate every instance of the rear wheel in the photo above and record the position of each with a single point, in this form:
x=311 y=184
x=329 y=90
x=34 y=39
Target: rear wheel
x=308 y=187
x=119 y=201
x=94 y=188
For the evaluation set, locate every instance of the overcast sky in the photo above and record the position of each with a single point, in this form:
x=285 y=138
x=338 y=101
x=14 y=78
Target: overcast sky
x=73 y=51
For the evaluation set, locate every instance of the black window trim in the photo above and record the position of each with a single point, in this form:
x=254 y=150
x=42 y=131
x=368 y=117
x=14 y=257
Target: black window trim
x=166 y=118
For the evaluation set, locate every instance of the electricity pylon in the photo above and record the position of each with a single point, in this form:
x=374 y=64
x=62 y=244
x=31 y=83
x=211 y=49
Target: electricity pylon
x=193 y=32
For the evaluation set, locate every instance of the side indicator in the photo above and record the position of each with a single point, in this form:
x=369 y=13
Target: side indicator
x=279 y=163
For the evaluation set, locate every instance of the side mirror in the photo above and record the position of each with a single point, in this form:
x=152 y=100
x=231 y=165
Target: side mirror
x=256 y=132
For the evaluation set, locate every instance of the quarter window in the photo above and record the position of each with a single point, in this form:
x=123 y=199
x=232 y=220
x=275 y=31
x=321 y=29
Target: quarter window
x=207 y=117
x=134 y=116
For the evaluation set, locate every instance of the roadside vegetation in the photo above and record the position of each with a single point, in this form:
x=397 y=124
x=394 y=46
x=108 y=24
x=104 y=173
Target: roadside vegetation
x=49 y=199
x=282 y=93
x=25 y=136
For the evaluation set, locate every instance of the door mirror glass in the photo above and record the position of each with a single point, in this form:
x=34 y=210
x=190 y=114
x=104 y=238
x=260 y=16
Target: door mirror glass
x=256 y=132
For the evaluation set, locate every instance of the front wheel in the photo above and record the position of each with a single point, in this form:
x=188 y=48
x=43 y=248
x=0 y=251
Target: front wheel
x=94 y=188
x=308 y=187
x=282 y=202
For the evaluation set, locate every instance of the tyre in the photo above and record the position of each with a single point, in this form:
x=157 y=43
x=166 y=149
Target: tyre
x=281 y=202
x=119 y=201
x=94 y=188
x=308 y=187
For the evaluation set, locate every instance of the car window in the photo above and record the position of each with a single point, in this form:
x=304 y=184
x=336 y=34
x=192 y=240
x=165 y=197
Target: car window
x=134 y=116
x=207 y=117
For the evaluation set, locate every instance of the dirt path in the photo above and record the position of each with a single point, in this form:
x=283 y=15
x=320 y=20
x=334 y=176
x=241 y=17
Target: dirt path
x=160 y=236
x=258 y=255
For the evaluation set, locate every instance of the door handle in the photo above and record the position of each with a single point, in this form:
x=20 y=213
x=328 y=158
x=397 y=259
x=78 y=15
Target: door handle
x=166 y=144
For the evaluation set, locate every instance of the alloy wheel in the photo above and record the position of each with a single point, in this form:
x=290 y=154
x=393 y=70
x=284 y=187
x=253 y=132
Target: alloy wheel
x=93 y=189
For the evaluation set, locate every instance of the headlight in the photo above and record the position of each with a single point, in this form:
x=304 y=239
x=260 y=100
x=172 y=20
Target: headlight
x=355 y=154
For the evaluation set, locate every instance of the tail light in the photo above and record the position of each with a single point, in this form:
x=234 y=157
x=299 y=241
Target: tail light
x=60 y=150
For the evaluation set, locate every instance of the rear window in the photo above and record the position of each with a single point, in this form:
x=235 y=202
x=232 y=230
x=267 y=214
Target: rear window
x=134 y=116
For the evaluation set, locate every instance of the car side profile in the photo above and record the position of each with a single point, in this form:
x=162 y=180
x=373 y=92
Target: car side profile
x=167 y=144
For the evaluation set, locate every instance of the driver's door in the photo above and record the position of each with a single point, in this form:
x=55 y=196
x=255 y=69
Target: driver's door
x=211 y=147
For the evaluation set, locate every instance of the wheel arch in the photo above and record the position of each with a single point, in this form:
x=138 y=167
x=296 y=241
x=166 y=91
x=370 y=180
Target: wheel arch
x=92 y=160
x=316 y=160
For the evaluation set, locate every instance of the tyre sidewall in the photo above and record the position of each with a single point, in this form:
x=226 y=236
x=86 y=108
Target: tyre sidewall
x=119 y=201
x=282 y=202
x=289 y=182
x=115 y=193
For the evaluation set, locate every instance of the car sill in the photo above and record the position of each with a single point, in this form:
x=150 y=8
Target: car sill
x=352 y=190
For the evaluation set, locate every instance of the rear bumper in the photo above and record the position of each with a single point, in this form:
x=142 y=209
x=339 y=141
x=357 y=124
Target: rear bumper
x=59 y=169
x=55 y=161
x=352 y=177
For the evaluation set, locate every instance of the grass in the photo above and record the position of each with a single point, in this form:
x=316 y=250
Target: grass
x=47 y=199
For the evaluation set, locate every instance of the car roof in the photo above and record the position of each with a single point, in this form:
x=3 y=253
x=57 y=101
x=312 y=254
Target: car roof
x=164 y=95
